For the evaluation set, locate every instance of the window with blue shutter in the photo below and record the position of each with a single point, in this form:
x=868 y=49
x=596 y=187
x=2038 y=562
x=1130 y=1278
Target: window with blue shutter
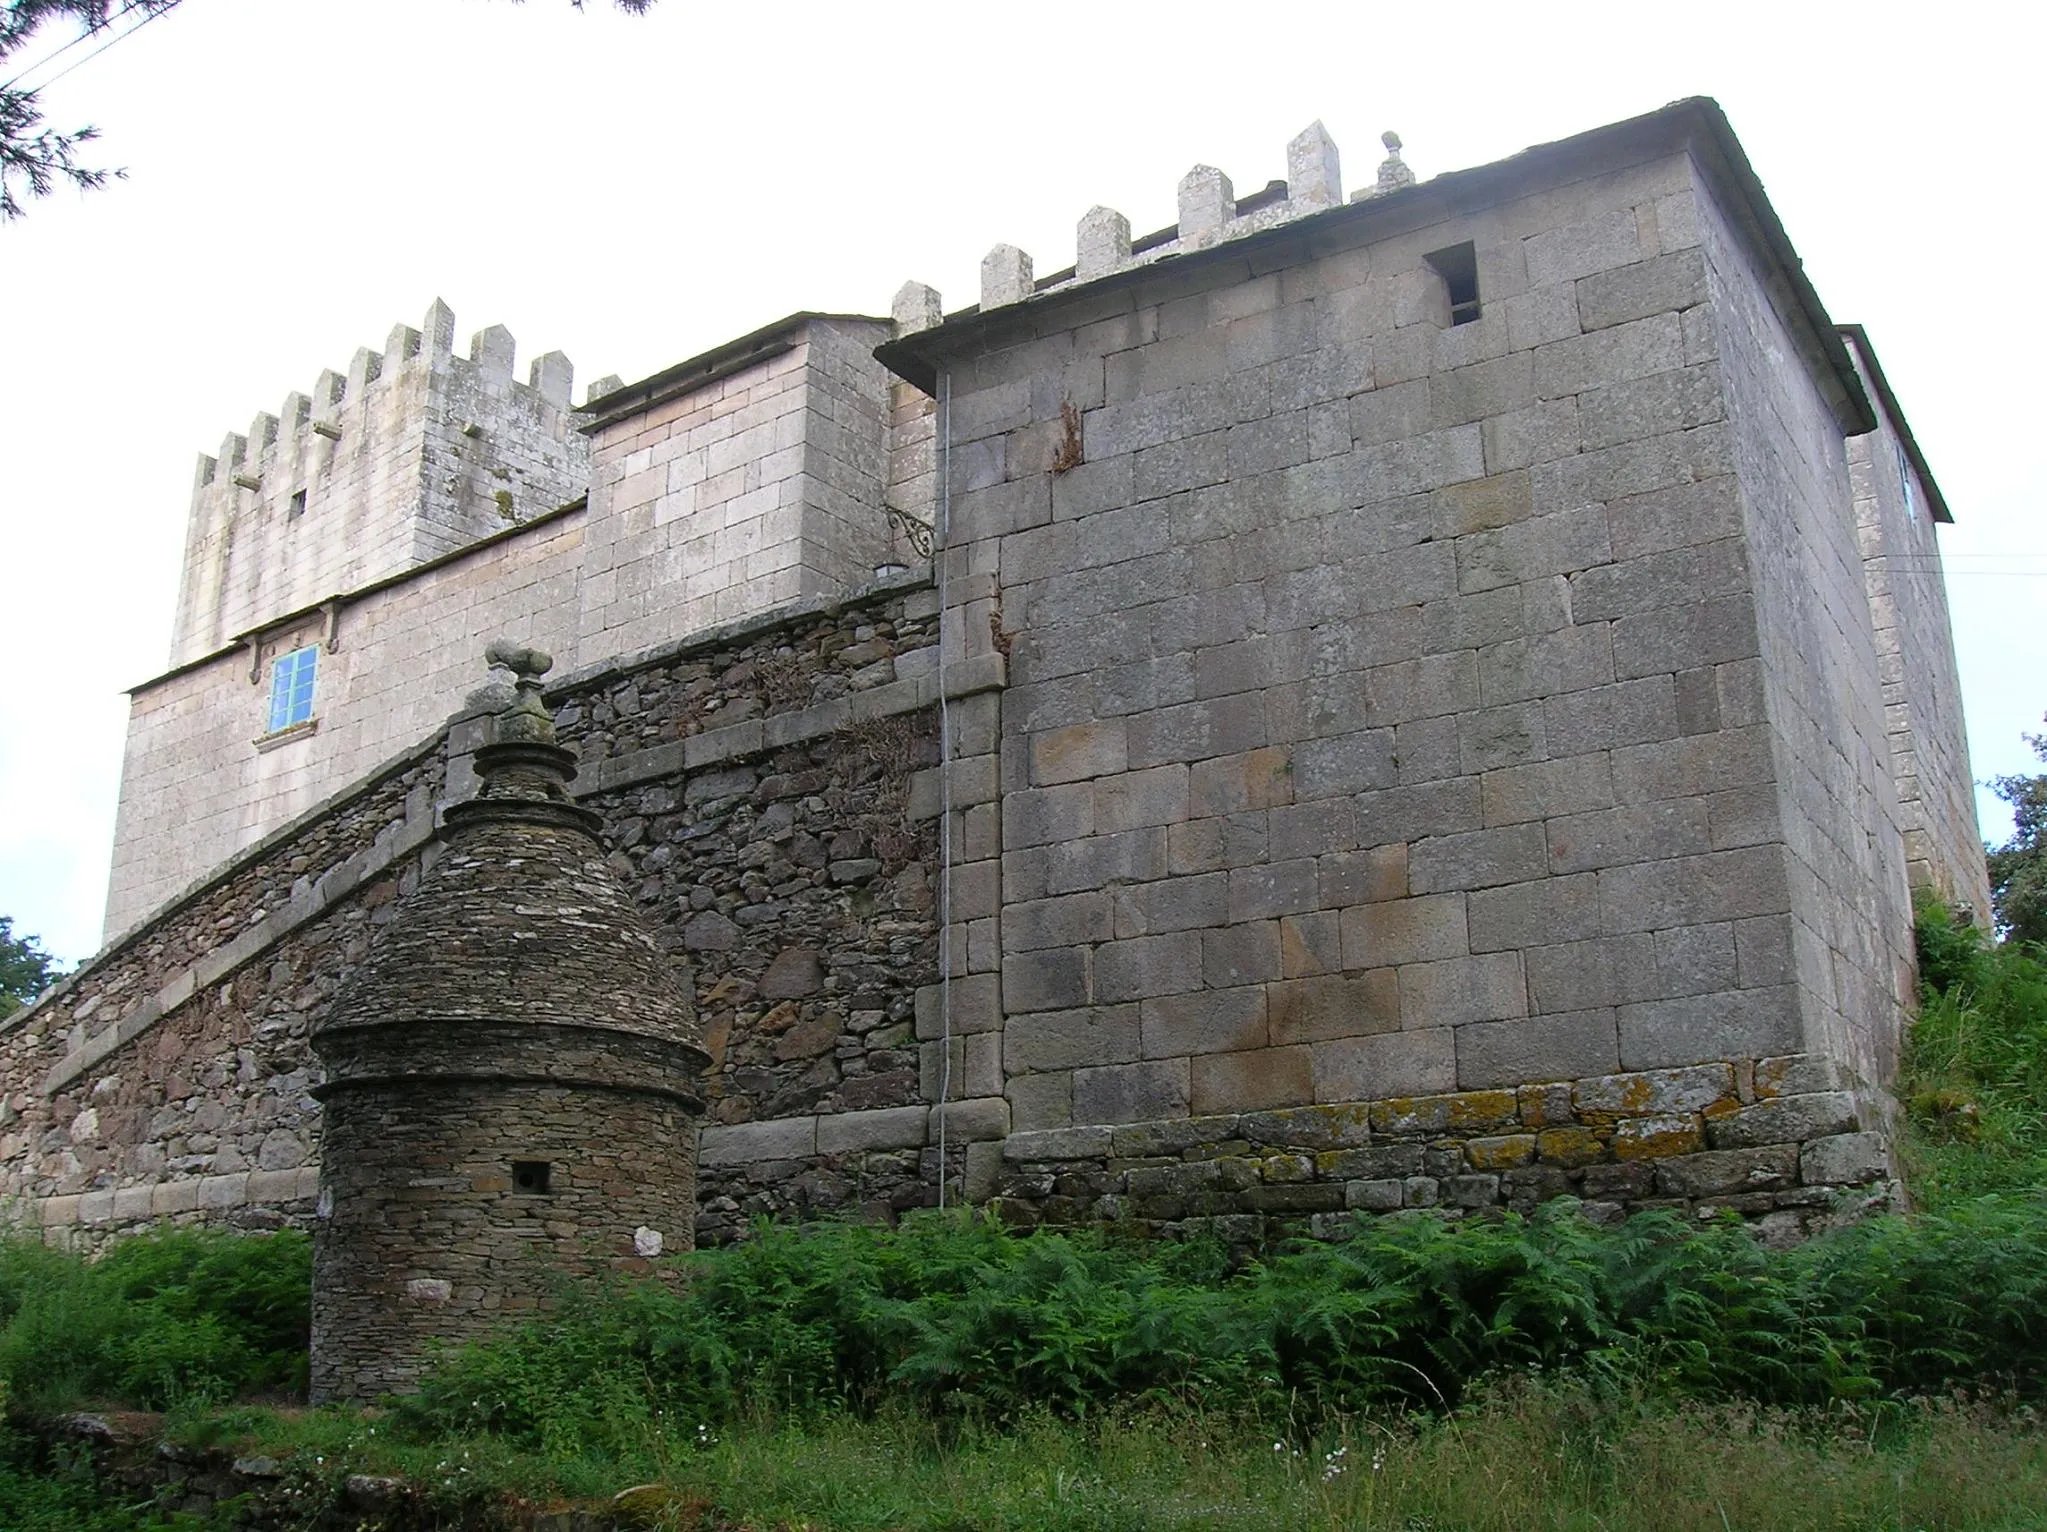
x=291 y=687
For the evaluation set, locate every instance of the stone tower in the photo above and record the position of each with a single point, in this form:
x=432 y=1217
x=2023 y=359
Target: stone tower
x=511 y=1089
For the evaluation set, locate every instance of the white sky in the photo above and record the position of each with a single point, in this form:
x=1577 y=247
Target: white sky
x=303 y=174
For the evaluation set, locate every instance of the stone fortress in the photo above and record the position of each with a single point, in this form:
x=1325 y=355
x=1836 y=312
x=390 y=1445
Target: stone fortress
x=1430 y=698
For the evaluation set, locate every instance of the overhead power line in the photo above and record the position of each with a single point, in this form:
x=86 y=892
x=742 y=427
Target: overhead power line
x=78 y=63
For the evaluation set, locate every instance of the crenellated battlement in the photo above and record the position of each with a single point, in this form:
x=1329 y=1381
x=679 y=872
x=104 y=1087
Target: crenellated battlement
x=1210 y=211
x=411 y=451
x=335 y=395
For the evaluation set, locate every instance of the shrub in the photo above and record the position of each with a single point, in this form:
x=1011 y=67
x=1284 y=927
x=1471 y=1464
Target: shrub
x=1975 y=1077
x=181 y=1316
x=957 y=1319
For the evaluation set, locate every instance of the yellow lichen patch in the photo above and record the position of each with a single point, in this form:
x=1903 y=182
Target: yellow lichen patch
x=1501 y=1153
x=1657 y=1138
x=1481 y=1108
x=1570 y=1146
x=1721 y=1108
x=1281 y=1169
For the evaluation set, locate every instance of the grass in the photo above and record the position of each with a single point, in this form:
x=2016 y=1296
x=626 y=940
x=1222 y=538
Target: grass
x=1526 y=1453
x=1975 y=1078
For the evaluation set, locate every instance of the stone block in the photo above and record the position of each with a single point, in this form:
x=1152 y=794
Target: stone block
x=1138 y=799
x=1146 y=966
x=1844 y=1159
x=1329 y=1006
x=1657 y=1137
x=1786 y=1119
x=1204 y=1021
x=1600 y=243
x=1569 y=1147
x=1542 y=912
x=1653 y=1092
x=899 y=1127
x=1372 y=1196
x=1151 y=1140
x=1054 y=979
x=1477 y=859
x=1680 y=637
x=1241 y=782
x=1049 y=1040
x=1251 y=1081
x=1661 y=284
x=752 y=1143
x=1735 y=1024
x=216 y=1193
x=1387 y=1064
x=1084 y=750
x=1723 y=1172
x=1694 y=890
x=1413 y=930
x=1454 y=991
x=1090 y=1142
x=1042 y=816
x=1310 y=945
x=1171 y=904
x=1131 y=1092
x=1639 y=349
x=1246 y=953
x=1458 y=1113
x=1634 y=832
x=1371 y=876
x=1261 y=893
x=1061 y=921
x=1796 y=1074
x=1523 y=1051
x=1041 y=1101
x=974 y=1000
x=1472 y=1191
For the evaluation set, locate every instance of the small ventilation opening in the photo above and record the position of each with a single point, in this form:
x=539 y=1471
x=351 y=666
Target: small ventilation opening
x=530 y=1177
x=1458 y=267
x=298 y=502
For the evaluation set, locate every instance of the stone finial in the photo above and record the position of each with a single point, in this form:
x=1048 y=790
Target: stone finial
x=1005 y=277
x=916 y=307
x=1207 y=202
x=233 y=448
x=263 y=432
x=493 y=351
x=526 y=720
x=329 y=389
x=1393 y=171
x=552 y=376
x=295 y=411
x=1103 y=243
x=610 y=383
x=439 y=326
x=1314 y=175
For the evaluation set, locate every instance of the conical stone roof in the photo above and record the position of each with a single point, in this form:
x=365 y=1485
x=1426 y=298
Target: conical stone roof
x=520 y=955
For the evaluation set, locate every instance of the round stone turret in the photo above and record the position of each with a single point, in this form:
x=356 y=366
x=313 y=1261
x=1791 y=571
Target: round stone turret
x=512 y=1078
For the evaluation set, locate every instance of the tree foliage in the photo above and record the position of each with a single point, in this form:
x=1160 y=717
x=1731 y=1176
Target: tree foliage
x=25 y=969
x=36 y=159
x=2018 y=868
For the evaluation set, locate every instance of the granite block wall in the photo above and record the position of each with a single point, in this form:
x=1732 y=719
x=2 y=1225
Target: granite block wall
x=1838 y=819
x=1385 y=712
x=1916 y=662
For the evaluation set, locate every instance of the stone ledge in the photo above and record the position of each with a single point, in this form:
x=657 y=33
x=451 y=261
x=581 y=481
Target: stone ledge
x=164 y=1199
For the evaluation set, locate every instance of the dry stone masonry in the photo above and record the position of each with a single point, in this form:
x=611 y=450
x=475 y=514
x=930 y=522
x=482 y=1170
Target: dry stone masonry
x=1430 y=697
x=510 y=1077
